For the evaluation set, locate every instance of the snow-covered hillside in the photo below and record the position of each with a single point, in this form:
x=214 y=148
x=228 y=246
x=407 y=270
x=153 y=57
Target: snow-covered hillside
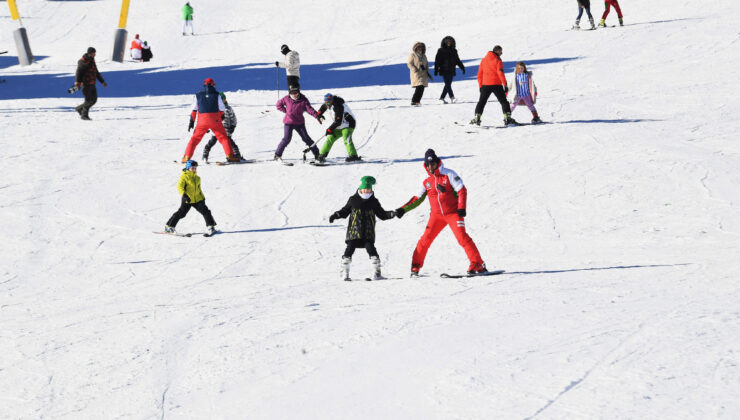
x=617 y=222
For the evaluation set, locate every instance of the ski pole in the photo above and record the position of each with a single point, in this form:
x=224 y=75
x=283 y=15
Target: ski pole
x=277 y=81
x=308 y=149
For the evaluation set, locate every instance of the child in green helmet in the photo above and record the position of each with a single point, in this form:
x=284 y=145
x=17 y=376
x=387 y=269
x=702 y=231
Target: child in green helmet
x=362 y=208
x=342 y=125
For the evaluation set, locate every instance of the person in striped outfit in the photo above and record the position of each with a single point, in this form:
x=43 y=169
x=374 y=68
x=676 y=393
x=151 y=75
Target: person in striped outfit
x=229 y=123
x=526 y=91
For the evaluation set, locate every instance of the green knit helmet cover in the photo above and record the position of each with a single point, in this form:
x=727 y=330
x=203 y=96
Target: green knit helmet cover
x=367 y=182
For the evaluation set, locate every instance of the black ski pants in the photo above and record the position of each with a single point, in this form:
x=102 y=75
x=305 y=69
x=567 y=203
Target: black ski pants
x=90 y=92
x=212 y=142
x=359 y=243
x=447 y=90
x=485 y=93
x=293 y=80
x=418 y=93
x=200 y=206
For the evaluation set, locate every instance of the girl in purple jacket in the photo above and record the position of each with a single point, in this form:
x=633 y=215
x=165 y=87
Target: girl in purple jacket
x=293 y=106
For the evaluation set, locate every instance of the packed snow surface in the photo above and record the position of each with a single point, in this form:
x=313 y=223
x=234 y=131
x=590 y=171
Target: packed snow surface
x=617 y=222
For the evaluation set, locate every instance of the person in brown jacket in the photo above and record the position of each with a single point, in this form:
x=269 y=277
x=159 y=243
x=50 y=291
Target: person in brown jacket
x=419 y=72
x=85 y=76
x=491 y=79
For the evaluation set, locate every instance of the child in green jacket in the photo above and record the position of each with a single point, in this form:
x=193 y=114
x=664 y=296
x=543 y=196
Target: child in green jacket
x=362 y=208
x=192 y=196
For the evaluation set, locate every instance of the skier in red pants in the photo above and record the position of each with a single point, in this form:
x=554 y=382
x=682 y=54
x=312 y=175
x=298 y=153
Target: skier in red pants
x=209 y=108
x=607 y=6
x=447 y=199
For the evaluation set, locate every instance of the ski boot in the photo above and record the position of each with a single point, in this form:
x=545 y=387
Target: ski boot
x=509 y=121
x=169 y=229
x=78 y=108
x=344 y=271
x=232 y=158
x=375 y=261
x=591 y=21
x=185 y=158
x=443 y=101
x=452 y=100
x=621 y=22
x=211 y=230
x=477 y=268
x=476 y=120
x=576 y=26
x=321 y=158
x=277 y=158
x=536 y=118
x=414 y=271
x=352 y=158
x=602 y=23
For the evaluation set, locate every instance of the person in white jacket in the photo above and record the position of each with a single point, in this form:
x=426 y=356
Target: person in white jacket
x=292 y=65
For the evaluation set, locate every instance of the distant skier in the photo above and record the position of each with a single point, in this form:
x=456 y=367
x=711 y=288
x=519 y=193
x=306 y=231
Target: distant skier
x=87 y=73
x=491 y=79
x=187 y=16
x=445 y=63
x=418 y=72
x=362 y=209
x=607 y=7
x=343 y=125
x=584 y=5
x=136 y=48
x=293 y=106
x=146 y=52
x=292 y=65
x=192 y=196
x=208 y=107
x=447 y=199
x=229 y=123
x=526 y=91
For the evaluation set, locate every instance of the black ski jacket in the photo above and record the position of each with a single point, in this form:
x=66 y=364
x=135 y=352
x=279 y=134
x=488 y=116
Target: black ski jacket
x=87 y=71
x=447 y=59
x=362 y=215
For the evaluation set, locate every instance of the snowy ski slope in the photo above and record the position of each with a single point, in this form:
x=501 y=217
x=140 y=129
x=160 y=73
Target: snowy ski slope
x=617 y=223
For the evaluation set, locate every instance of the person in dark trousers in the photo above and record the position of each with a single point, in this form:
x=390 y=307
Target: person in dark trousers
x=229 y=122
x=85 y=77
x=146 y=52
x=584 y=5
x=491 y=79
x=362 y=208
x=292 y=65
x=192 y=196
x=445 y=63
x=418 y=72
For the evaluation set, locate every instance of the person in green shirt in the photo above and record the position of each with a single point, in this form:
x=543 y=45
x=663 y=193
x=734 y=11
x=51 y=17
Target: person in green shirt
x=187 y=15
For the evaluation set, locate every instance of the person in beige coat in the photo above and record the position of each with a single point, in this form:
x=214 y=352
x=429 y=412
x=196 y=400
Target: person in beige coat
x=419 y=72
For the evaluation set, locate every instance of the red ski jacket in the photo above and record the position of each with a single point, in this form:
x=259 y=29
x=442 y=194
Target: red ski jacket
x=445 y=189
x=491 y=71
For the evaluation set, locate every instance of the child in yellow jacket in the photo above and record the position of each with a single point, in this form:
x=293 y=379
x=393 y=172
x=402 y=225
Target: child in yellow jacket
x=192 y=196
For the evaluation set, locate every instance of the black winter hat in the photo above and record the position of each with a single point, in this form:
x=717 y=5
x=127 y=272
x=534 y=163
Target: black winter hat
x=90 y=50
x=284 y=49
x=430 y=157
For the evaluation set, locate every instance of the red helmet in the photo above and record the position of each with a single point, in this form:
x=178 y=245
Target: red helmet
x=209 y=81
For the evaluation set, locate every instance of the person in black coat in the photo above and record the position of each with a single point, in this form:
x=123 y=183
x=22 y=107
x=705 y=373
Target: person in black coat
x=146 y=52
x=445 y=63
x=85 y=77
x=362 y=208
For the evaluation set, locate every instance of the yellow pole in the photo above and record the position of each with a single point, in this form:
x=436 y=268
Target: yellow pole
x=124 y=14
x=13 y=10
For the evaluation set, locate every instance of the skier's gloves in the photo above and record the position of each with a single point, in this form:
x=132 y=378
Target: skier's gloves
x=333 y=217
x=186 y=198
x=321 y=119
x=461 y=212
x=392 y=214
x=277 y=64
x=191 y=125
x=399 y=212
x=328 y=132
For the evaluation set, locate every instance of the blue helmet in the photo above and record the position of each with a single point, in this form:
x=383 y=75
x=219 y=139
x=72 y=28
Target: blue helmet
x=328 y=98
x=189 y=164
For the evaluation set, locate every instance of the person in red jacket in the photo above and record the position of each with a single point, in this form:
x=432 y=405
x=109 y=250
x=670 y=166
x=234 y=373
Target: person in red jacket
x=136 y=48
x=607 y=6
x=447 y=199
x=209 y=108
x=491 y=79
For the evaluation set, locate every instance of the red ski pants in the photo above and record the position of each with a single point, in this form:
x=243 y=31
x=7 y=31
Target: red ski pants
x=210 y=121
x=436 y=223
x=608 y=4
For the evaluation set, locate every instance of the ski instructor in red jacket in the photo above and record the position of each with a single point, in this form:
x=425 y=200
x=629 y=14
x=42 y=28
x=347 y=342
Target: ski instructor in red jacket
x=447 y=199
x=209 y=108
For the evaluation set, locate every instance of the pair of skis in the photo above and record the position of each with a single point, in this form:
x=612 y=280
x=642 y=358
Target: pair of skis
x=185 y=235
x=443 y=275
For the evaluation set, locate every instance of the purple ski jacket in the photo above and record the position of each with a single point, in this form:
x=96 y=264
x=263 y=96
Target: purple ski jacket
x=294 y=109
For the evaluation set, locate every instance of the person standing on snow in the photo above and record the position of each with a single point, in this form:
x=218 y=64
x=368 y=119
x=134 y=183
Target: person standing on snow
x=146 y=52
x=447 y=199
x=292 y=65
x=87 y=73
x=418 y=72
x=136 y=48
x=607 y=6
x=208 y=107
x=491 y=79
x=192 y=196
x=362 y=209
x=187 y=15
x=293 y=106
x=229 y=123
x=584 y=5
x=343 y=125
x=445 y=63
x=526 y=91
